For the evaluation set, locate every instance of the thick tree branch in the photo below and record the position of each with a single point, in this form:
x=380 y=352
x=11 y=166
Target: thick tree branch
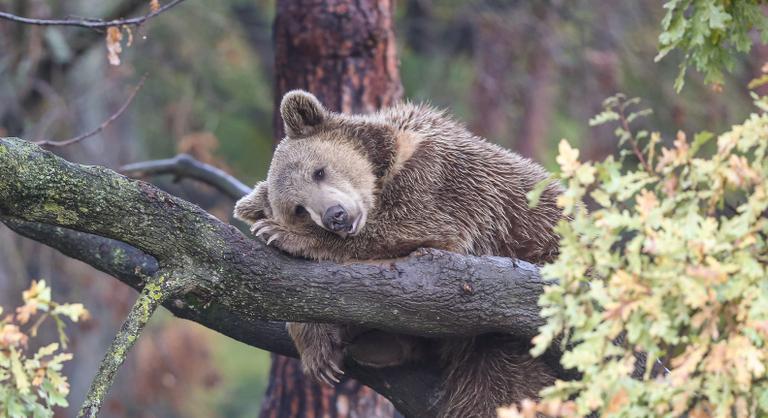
x=134 y=267
x=433 y=293
x=233 y=283
x=184 y=165
x=411 y=387
x=89 y=23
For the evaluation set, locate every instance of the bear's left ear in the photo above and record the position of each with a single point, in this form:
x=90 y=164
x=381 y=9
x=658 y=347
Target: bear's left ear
x=301 y=112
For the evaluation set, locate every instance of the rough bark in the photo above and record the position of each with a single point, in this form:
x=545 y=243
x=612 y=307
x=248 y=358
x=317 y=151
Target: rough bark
x=344 y=52
x=239 y=287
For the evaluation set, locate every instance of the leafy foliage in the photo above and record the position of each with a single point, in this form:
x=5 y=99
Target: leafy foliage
x=31 y=384
x=672 y=262
x=709 y=33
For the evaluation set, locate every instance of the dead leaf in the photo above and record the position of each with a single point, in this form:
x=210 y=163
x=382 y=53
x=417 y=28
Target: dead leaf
x=128 y=30
x=154 y=6
x=670 y=186
x=646 y=202
x=114 y=48
x=39 y=377
x=617 y=401
x=11 y=336
x=24 y=313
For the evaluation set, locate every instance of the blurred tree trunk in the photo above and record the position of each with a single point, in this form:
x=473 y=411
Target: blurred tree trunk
x=515 y=87
x=345 y=53
x=540 y=90
x=495 y=54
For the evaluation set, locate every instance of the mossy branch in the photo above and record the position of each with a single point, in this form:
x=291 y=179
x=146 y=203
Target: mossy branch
x=159 y=288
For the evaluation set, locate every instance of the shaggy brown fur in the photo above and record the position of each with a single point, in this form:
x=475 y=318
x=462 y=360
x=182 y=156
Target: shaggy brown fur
x=407 y=177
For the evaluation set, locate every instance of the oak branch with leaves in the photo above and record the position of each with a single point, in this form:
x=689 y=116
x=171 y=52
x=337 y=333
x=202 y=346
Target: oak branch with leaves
x=31 y=384
x=672 y=260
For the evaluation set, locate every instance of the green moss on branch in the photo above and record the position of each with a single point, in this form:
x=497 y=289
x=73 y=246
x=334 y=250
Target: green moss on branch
x=155 y=292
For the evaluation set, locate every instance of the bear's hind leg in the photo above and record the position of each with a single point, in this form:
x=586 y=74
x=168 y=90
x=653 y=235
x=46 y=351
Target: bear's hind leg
x=486 y=372
x=320 y=348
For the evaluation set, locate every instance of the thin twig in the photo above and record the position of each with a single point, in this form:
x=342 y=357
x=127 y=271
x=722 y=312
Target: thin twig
x=89 y=23
x=101 y=127
x=632 y=142
x=184 y=165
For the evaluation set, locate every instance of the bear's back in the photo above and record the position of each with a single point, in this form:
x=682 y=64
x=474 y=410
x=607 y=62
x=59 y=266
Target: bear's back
x=477 y=187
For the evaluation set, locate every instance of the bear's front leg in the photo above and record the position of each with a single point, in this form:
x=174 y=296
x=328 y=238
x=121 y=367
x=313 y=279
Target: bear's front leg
x=286 y=238
x=321 y=350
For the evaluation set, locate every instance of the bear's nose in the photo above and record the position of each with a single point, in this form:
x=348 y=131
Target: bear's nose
x=336 y=219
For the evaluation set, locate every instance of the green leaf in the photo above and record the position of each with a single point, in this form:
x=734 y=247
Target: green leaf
x=604 y=117
x=700 y=139
x=19 y=374
x=534 y=194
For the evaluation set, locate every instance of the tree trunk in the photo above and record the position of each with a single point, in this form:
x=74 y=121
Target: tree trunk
x=344 y=52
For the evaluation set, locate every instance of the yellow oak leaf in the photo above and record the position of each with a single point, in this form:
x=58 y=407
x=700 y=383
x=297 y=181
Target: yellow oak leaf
x=568 y=158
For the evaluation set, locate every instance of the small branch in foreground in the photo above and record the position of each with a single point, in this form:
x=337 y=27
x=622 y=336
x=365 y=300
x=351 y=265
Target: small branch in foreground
x=153 y=294
x=633 y=142
x=184 y=165
x=89 y=23
x=101 y=127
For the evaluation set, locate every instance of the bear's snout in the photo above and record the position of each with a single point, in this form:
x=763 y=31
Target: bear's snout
x=337 y=219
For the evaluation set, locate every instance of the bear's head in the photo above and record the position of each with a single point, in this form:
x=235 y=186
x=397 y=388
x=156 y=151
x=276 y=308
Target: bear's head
x=322 y=172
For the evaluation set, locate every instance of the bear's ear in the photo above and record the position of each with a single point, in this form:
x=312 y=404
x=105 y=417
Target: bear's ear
x=301 y=112
x=255 y=205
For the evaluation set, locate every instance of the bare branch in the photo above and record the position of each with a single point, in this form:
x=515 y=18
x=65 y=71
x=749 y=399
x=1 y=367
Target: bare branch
x=89 y=23
x=101 y=127
x=184 y=165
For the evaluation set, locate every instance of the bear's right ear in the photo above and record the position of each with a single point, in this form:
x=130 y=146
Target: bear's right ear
x=301 y=112
x=254 y=206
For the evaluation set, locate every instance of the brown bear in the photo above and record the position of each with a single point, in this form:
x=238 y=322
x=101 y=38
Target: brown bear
x=356 y=187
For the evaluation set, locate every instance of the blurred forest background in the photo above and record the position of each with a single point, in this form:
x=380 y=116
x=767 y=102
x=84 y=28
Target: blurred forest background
x=522 y=73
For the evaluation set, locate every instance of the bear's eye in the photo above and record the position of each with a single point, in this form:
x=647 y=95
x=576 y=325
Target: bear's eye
x=299 y=210
x=319 y=174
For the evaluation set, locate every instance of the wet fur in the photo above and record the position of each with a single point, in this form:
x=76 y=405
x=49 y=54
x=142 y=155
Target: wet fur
x=432 y=184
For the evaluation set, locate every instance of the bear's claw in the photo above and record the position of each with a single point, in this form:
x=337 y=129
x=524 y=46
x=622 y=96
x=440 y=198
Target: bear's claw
x=261 y=227
x=328 y=373
x=272 y=238
x=323 y=365
x=267 y=230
